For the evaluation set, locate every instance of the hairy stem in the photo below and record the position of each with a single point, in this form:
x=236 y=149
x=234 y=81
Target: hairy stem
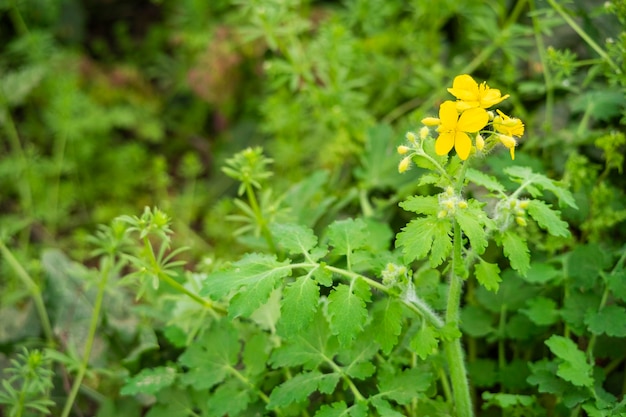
x=260 y=220
x=453 y=348
x=34 y=290
x=95 y=315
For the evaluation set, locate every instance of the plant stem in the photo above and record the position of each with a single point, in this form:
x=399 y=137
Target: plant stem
x=453 y=349
x=583 y=35
x=547 y=75
x=34 y=290
x=260 y=220
x=93 y=326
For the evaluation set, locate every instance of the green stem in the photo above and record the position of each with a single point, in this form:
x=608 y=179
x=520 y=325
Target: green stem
x=34 y=290
x=16 y=17
x=178 y=286
x=411 y=300
x=583 y=35
x=453 y=349
x=265 y=231
x=93 y=326
x=247 y=382
x=547 y=75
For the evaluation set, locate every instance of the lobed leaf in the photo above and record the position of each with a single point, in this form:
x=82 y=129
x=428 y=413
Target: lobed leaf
x=574 y=367
x=542 y=311
x=611 y=320
x=347 y=235
x=484 y=180
x=346 y=310
x=149 y=381
x=210 y=358
x=230 y=398
x=488 y=275
x=516 y=249
x=253 y=277
x=425 y=341
x=421 y=236
x=428 y=205
x=298 y=306
x=387 y=323
x=294 y=238
x=547 y=218
x=299 y=387
x=530 y=178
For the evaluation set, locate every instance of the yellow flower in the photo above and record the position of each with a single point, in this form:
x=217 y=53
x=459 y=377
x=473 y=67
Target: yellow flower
x=453 y=129
x=509 y=126
x=472 y=95
x=509 y=142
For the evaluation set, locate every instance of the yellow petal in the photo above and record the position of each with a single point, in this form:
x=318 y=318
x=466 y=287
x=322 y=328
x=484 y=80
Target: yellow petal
x=462 y=145
x=464 y=88
x=448 y=114
x=472 y=120
x=444 y=143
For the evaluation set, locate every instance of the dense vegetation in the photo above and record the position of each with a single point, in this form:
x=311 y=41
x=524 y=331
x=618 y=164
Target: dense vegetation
x=312 y=208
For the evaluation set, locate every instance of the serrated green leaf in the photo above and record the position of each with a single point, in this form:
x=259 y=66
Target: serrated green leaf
x=149 y=381
x=425 y=341
x=347 y=235
x=256 y=353
x=357 y=361
x=574 y=367
x=298 y=306
x=387 y=323
x=544 y=375
x=476 y=322
x=171 y=402
x=428 y=205
x=541 y=311
x=505 y=401
x=585 y=263
x=229 y=399
x=483 y=372
x=210 y=358
x=488 y=275
x=294 y=238
x=611 y=320
x=516 y=249
x=547 y=218
x=421 y=236
x=346 y=310
x=253 y=277
x=472 y=221
x=309 y=349
x=337 y=409
x=617 y=284
x=404 y=386
x=384 y=408
x=527 y=176
x=541 y=273
x=484 y=180
x=299 y=387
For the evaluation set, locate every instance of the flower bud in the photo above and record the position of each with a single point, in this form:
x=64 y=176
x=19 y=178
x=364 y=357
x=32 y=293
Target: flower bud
x=404 y=164
x=431 y=121
x=442 y=214
x=403 y=149
x=424 y=132
x=520 y=221
x=523 y=204
x=480 y=142
x=462 y=204
x=410 y=136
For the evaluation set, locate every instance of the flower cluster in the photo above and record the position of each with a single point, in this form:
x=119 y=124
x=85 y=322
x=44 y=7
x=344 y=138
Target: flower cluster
x=467 y=118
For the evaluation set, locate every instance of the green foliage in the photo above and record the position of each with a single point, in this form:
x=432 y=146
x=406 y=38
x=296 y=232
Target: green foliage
x=293 y=267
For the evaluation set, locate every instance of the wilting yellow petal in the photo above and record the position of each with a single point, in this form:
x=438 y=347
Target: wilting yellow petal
x=462 y=145
x=444 y=143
